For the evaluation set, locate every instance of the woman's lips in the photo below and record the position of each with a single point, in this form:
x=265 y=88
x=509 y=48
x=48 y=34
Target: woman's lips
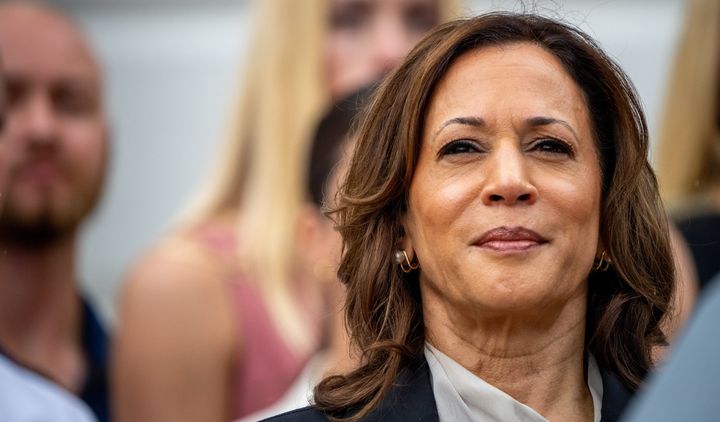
x=509 y=239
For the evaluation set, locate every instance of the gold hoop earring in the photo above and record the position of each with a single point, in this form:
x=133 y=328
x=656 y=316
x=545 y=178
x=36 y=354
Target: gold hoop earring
x=601 y=264
x=402 y=259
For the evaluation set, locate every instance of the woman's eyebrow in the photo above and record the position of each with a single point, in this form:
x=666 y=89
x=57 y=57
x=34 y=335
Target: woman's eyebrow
x=463 y=120
x=479 y=122
x=545 y=121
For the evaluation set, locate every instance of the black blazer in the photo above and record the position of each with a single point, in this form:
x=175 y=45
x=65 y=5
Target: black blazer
x=412 y=399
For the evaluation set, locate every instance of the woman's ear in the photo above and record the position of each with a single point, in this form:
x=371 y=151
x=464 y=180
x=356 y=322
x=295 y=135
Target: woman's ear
x=406 y=242
x=406 y=245
x=306 y=231
x=601 y=244
x=405 y=254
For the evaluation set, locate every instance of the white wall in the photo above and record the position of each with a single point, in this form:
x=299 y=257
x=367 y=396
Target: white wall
x=171 y=73
x=169 y=78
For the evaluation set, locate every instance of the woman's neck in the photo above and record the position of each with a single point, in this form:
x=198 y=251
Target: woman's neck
x=537 y=359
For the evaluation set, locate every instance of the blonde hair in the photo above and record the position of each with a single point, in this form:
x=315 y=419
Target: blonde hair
x=689 y=150
x=260 y=176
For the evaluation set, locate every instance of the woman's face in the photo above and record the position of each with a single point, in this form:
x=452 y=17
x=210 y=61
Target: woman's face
x=325 y=247
x=504 y=206
x=369 y=37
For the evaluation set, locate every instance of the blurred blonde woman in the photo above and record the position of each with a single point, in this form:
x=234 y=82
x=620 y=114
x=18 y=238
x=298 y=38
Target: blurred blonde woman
x=689 y=150
x=219 y=319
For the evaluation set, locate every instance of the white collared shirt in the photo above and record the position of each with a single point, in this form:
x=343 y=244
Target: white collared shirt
x=29 y=397
x=460 y=395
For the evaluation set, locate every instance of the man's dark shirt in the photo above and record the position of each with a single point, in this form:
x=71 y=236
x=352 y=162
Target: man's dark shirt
x=95 y=345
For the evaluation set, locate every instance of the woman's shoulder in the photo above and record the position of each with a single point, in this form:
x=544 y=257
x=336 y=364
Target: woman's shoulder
x=173 y=268
x=176 y=287
x=175 y=335
x=197 y=251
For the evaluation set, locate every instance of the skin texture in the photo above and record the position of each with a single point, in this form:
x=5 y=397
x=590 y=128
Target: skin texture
x=55 y=136
x=368 y=38
x=509 y=311
x=174 y=339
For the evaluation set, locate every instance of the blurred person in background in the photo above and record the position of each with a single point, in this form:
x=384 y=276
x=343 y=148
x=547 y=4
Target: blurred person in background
x=220 y=319
x=689 y=150
x=26 y=395
x=56 y=135
x=321 y=244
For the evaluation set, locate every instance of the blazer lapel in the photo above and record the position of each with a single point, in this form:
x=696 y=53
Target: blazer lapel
x=410 y=399
x=615 y=397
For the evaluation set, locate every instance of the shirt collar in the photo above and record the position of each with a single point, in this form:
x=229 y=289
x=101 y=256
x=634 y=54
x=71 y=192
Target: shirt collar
x=461 y=395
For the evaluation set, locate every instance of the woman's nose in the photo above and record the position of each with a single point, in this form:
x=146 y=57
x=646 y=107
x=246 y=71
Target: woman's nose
x=506 y=179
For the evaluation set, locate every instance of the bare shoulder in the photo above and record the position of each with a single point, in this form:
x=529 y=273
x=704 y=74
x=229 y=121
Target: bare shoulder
x=175 y=337
x=188 y=258
x=179 y=278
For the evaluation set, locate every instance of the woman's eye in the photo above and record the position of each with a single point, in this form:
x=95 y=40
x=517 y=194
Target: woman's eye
x=461 y=146
x=421 y=18
x=553 y=146
x=351 y=17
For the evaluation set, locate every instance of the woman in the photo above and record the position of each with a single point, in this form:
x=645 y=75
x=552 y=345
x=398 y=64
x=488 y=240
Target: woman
x=506 y=255
x=220 y=319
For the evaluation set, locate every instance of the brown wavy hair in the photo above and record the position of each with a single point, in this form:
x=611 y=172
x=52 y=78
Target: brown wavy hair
x=383 y=310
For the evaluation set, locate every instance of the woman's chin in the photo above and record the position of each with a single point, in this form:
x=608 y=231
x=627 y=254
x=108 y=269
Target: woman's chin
x=516 y=299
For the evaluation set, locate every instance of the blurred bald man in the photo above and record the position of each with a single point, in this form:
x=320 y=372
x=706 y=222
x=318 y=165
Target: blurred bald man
x=26 y=396
x=56 y=133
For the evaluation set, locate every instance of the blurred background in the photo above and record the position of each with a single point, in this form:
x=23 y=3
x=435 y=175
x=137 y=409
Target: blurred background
x=171 y=70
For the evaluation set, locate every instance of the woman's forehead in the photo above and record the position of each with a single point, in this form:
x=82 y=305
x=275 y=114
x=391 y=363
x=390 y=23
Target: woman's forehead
x=490 y=82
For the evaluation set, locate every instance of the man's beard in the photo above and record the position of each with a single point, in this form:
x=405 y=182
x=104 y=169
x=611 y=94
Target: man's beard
x=48 y=219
